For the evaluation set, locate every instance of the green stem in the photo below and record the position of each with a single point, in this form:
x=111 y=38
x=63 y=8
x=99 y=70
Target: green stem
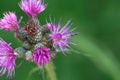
x=43 y=73
x=50 y=71
x=33 y=71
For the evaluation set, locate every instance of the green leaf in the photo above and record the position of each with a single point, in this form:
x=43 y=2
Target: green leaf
x=102 y=57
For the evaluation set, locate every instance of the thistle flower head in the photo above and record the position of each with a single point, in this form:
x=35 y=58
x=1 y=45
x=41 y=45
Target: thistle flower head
x=49 y=26
x=7 y=59
x=32 y=7
x=41 y=56
x=59 y=35
x=9 y=22
x=31 y=28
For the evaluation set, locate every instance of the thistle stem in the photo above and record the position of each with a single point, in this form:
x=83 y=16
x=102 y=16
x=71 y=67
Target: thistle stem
x=50 y=71
x=43 y=73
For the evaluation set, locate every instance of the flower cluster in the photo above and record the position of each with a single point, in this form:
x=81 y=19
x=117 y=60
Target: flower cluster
x=40 y=42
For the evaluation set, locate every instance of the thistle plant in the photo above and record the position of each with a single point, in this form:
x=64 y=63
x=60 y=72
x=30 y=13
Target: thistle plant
x=39 y=42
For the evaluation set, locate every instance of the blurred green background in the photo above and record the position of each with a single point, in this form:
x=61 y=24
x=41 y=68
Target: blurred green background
x=97 y=54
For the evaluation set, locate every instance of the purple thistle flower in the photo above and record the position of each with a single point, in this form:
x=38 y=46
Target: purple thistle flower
x=49 y=26
x=7 y=59
x=32 y=7
x=9 y=22
x=59 y=35
x=41 y=56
